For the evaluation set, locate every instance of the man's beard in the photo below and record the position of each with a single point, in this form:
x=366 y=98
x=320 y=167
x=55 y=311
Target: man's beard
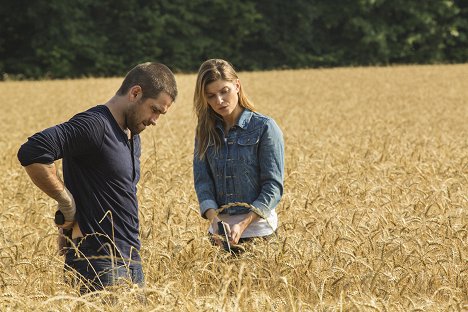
x=132 y=120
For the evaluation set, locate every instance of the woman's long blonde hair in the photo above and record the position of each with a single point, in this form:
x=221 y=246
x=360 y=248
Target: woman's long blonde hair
x=212 y=70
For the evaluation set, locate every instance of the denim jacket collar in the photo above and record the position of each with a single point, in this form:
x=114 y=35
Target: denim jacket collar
x=242 y=122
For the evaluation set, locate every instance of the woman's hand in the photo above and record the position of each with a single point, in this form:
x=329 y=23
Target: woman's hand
x=236 y=233
x=213 y=217
x=239 y=228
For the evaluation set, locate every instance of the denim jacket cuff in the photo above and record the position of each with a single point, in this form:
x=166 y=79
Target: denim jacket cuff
x=265 y=210
x=207 y=204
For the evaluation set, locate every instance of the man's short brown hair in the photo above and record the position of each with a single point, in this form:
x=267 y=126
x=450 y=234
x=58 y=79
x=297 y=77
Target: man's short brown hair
x=153 y=78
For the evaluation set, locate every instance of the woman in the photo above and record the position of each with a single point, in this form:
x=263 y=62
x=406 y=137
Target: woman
x=238 y=157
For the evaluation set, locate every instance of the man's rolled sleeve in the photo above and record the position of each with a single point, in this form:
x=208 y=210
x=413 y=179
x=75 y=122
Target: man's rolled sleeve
x=43 y=148
x=75 y=137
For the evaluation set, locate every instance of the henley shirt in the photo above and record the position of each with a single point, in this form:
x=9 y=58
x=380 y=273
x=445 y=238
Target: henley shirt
x=101 y=169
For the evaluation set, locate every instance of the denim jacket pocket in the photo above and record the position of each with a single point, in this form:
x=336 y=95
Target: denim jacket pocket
x=248 y=145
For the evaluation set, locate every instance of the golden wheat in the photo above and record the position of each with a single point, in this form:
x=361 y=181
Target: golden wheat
x=373 y=218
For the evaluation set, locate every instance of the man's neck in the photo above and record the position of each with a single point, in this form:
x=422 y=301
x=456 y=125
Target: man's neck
x=118 y=108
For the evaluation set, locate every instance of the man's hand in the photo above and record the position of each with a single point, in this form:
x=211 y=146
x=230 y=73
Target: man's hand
x=63 y=241
x=68 y=225
x=46 y=179
x=66 y=204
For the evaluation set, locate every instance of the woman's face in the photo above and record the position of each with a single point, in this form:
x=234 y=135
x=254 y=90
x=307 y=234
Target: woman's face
x=223 y=96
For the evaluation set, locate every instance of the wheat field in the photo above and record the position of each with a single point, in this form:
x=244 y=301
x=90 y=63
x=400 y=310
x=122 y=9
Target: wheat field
x=374 y=215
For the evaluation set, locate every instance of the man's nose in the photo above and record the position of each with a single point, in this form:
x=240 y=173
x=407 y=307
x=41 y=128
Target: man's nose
x=154 y=118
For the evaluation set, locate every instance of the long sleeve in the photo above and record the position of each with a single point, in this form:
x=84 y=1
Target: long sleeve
x=271 y=161
x=74 y=137
x=204 y=184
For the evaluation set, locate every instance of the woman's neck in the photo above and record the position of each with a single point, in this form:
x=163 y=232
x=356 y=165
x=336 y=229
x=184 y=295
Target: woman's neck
x=230 y=120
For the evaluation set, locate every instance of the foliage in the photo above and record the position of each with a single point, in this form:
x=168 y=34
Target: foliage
x=58 y=39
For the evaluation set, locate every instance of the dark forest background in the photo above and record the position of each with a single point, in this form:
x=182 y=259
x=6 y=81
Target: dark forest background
x=79 y=38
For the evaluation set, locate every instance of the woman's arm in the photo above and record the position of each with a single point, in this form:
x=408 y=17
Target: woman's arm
x=204 y=185
x=235 y=232
x=271 y=162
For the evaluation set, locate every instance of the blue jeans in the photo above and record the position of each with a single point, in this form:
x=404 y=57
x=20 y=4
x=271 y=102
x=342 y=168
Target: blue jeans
x=93 y=273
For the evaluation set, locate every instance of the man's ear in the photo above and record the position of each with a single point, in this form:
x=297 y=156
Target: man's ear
x=135 y=93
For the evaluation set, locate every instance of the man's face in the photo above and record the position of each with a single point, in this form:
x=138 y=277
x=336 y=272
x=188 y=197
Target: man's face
x=145 y=112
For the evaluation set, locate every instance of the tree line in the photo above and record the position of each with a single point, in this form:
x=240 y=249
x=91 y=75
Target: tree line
x=68 y=39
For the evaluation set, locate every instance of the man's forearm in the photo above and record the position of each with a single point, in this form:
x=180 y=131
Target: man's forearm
x=44 y=176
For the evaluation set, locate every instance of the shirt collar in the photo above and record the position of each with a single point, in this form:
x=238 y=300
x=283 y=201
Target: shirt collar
x=244 y=119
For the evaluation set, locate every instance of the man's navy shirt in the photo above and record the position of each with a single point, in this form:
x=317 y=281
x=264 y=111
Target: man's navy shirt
x=101 y=168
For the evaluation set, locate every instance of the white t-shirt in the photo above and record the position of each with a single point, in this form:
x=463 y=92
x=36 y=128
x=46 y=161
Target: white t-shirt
x=257 y=228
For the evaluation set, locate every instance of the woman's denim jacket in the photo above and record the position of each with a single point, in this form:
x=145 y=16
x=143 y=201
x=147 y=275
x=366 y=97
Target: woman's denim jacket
x=248 y=167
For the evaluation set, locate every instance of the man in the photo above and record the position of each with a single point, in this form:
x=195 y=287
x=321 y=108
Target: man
x=97 y=202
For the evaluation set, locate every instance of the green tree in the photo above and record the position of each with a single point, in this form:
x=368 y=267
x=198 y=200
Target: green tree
x=59 y=39
x=198 y=30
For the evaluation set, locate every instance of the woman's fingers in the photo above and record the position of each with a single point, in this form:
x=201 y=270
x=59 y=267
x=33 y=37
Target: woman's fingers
x=235 y=233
